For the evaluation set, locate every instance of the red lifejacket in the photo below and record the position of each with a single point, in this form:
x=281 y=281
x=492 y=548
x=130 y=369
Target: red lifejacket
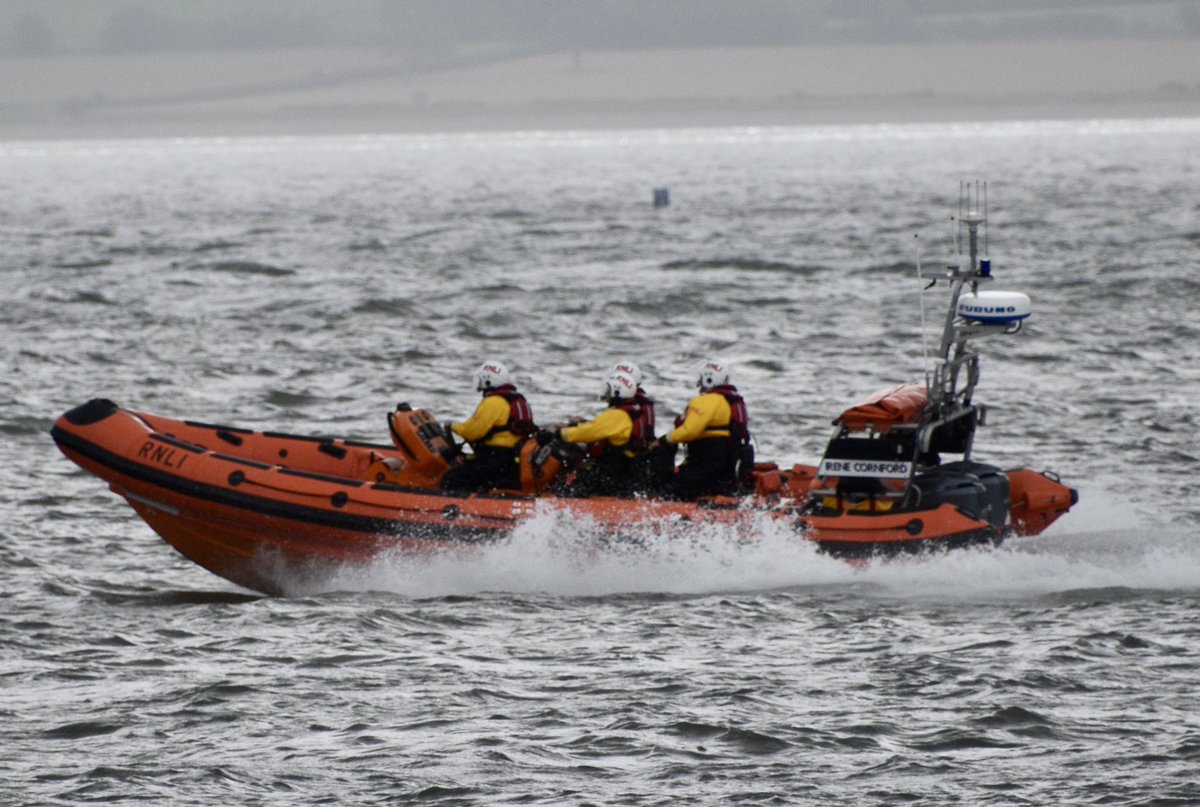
x=642 y=416
x=739 y=418
x=520 y=416
x=643 y=427
x=641 y=412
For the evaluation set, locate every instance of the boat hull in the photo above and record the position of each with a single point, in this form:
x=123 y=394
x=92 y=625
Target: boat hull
x=850 y=535
x=269 y=511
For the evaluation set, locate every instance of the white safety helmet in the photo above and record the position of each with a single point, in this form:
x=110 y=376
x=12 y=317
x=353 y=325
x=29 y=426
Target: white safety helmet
x=630 y=369
x=619 y=387
x=710 y=373
x=491 y=374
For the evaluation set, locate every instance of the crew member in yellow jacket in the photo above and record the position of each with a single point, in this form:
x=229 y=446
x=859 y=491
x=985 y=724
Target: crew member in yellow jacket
x=614 y=440
x=715 y=429
x=495 y=431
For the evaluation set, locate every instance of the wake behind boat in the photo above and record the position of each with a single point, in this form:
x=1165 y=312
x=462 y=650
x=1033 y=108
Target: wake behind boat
x=262 y=508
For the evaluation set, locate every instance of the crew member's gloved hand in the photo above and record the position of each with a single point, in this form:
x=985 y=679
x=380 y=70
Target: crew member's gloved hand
x=545 y=436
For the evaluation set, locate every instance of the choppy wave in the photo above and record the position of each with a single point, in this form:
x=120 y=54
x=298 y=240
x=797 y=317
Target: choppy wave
x=193 y=277
x=558 y=554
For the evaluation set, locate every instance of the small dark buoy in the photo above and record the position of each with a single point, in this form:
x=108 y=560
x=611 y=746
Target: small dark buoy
x=662 y=197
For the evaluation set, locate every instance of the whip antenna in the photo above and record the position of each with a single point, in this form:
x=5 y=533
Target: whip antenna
x=985 y=221
x=957 y=229
x=921 y=305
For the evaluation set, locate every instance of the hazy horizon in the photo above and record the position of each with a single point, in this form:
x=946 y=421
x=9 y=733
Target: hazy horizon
x=113 y=66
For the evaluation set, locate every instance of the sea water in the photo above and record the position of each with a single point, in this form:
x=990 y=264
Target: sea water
x=309 y=284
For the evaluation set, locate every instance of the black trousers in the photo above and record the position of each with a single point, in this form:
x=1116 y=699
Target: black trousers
x=611 y=474
x=489 y=467
x=709 y=470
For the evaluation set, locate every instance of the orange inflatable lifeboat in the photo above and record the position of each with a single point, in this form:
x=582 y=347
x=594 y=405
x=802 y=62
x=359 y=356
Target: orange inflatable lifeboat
x=265 y=508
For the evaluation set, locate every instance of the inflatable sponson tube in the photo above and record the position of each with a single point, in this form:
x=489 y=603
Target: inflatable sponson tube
x=94 y=411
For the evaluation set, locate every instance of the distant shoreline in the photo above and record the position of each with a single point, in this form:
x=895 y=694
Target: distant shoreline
x=670 y=114
x=332 y=91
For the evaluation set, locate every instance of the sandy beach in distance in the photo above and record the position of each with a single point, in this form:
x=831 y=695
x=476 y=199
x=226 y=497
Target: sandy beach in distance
x=345 y=90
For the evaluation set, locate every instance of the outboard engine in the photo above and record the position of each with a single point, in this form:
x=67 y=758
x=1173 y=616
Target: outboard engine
x=977 y=489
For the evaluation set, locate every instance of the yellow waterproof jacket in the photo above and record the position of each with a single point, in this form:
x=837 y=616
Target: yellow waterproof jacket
x=708 y=415
x=492 y=412
x=612 y=425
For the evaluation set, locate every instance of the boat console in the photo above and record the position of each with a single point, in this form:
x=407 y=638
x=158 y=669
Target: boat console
x=886 y=453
